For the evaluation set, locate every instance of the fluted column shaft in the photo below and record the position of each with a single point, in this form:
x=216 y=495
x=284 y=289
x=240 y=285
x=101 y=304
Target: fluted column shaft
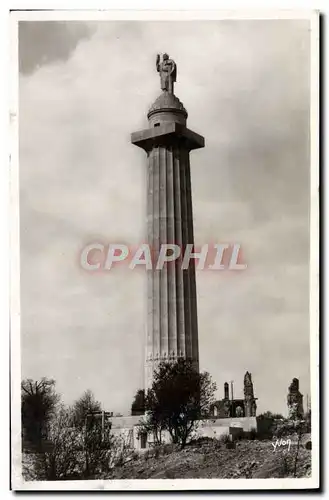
x=172 y=330
x=172 y=327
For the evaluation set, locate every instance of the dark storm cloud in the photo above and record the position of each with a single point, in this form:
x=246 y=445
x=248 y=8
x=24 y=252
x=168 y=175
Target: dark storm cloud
x=43 y=42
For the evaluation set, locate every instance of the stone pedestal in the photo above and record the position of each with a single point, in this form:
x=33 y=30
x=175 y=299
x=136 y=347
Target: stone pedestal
x=172 y=329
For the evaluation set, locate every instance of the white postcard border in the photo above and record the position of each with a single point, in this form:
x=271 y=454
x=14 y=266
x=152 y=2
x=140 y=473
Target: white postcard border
x=18 y=482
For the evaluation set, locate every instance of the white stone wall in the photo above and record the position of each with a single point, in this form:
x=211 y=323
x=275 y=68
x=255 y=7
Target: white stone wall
x=212 y=428
x=212 y=431
x=246 y=423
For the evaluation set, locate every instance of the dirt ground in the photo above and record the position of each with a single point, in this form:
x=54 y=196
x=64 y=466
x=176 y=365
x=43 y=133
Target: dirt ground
x=250 y=459
x=207 y=458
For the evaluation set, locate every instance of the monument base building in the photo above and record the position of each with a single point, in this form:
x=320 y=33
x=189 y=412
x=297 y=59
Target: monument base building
x=127 y=428
x=228 y=416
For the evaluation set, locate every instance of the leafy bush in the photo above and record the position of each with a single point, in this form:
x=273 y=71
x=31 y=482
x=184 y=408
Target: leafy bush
x=178 y=398
x=138 y=405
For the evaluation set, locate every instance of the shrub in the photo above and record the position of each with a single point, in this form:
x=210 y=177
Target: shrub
x=178 y=398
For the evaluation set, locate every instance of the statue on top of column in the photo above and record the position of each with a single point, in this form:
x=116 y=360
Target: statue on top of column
x=168 y=72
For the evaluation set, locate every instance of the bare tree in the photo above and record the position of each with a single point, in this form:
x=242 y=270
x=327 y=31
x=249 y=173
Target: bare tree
x=39 y=401
x=296 y=426
x=99 y=446
x=74 y=453
x=62 y=457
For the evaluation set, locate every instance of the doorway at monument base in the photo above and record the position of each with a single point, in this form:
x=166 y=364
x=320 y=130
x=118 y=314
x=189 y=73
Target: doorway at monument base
x=127 y=429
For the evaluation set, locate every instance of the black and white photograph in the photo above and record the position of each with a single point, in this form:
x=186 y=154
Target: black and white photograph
x=164 y=250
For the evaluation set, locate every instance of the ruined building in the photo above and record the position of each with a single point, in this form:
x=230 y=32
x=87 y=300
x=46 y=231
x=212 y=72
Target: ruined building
x=235 y=408
x=295 y=400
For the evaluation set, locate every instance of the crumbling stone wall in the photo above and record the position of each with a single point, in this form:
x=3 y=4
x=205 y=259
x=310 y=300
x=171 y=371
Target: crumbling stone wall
x=295 y=400
x=249 y=398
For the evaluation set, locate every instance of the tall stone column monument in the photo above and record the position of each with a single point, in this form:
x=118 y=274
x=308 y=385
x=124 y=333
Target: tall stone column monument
x=172 y=327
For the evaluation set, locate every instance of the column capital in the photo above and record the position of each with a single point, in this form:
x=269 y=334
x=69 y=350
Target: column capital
x=167 y=134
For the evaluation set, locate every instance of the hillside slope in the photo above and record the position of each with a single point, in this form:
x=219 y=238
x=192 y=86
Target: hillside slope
x=211 y=459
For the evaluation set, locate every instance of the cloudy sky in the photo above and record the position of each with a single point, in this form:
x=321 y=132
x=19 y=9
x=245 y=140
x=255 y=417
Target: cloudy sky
x=84 y=87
